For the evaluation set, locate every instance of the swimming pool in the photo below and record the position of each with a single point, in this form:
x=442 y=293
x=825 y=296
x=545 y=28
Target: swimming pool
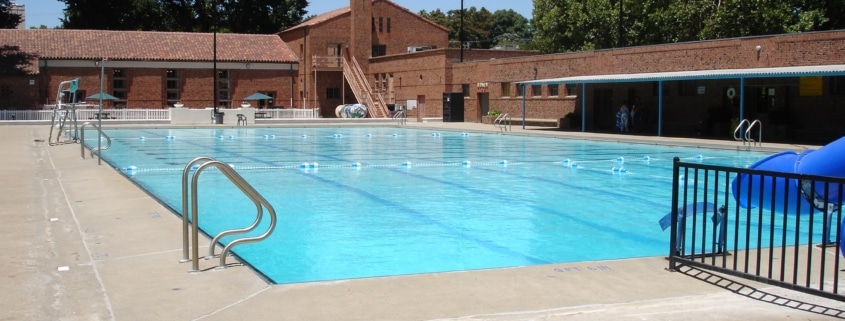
x=366 y=202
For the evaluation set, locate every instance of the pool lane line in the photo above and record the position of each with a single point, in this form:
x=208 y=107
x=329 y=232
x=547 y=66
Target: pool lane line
x=423 y=218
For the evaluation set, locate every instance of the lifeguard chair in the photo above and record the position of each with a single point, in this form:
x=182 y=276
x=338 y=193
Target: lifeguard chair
x=64 y=114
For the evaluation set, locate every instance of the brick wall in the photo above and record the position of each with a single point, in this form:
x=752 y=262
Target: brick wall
x=406 y=29
x=17 y=93
x=146 y=87
x=682 y=113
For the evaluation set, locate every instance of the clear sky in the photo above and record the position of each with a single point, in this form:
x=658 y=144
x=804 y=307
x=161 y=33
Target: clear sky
x=48 y=12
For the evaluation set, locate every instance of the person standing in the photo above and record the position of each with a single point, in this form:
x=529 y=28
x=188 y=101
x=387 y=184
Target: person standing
x=635 y=114
x=622 y=117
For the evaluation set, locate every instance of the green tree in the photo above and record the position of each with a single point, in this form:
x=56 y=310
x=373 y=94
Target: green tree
x=439 y=18
x=8 y=20
x=243 y=16
x=510 y=28
x=478 y=26
x=99 y=15
x=264 y=16
x=564 y=25
x=569 y=25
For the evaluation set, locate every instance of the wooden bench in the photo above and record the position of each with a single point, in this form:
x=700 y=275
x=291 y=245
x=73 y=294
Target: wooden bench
x=540 y=122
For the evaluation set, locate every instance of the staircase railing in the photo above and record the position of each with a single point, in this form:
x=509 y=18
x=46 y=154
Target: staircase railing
x=360 y=87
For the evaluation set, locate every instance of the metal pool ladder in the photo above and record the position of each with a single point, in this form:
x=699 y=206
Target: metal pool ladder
x=503 y=122
x=401 y=117
x=747 y=138
x=248 y=190
x=93 y=149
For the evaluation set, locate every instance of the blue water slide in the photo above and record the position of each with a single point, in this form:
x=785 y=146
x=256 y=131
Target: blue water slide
x=801 y=196
x=825 y=161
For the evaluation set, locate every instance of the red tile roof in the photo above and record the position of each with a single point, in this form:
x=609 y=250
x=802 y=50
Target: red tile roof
x=148 y=45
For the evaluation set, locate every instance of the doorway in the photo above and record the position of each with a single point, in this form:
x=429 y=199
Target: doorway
x=605 y=115
x=483 y=105
x=420 y=108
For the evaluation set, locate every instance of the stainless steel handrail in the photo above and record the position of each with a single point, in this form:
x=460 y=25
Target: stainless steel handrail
x=401 y=117
x=746 y=137
x=738 y=130
x=95 y=149
x=185 y=212
x=759 y=132
x=503 y=122
x=259 y=201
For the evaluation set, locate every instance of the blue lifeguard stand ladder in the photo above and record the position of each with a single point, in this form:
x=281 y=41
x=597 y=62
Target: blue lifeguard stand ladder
x=64 y=114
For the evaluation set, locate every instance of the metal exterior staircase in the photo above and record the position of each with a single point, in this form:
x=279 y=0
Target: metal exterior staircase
x=375 y=103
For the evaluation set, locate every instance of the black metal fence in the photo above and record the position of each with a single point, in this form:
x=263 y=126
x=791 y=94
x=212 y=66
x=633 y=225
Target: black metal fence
x=777 y=228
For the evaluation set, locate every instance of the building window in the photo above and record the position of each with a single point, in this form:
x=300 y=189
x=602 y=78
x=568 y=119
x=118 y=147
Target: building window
x=554 y=90
x=837 y=85
x=173 y=85
x=570 y=89
x=536 y=90
x=465 y=90
x=384 y=82
x=224 y=91
x=379 y=50
x=376 y=83
x=388 y=25
x=380 y=24
x=333 y=93
x=118 y=85
x=374 y=24
x=506 y=89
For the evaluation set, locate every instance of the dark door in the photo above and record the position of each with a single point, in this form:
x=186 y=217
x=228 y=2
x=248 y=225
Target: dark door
x=483 y=105
x=605 y=113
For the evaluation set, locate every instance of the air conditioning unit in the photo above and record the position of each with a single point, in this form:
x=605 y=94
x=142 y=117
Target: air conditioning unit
x=413 y=49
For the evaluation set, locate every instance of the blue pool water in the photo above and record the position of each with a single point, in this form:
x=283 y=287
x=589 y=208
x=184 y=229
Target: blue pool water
x=365 y=202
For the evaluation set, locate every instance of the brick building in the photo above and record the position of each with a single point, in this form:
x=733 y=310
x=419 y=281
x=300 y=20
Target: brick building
x=488 y=80
x=807 y=101
x=355 y=35
x=149 y=69
x=401 y=55
x=380 y=54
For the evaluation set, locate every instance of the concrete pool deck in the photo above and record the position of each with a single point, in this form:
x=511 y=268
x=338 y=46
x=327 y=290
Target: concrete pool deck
x=81 y=242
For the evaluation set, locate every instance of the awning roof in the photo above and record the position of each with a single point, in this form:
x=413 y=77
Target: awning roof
x=778 y=72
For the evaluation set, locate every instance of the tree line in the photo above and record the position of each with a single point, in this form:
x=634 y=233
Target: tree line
x=238 y=16
x=483 y=29
x=556 y=25
x=12 y=60
x=576 y=25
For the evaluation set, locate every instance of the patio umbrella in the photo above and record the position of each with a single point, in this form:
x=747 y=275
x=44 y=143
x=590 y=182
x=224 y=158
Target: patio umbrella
x=102 y=95
x=257 y=96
